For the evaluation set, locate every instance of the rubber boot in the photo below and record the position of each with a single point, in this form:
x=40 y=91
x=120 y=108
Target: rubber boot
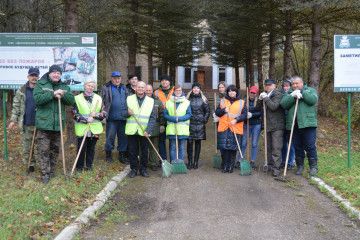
x=299 y=165
x=109 y=157
x=197 y=153
x=190 y=153
x=313 y=166
x=122 y=157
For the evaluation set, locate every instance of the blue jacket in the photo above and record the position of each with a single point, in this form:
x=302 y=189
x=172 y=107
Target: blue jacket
x=106 y=96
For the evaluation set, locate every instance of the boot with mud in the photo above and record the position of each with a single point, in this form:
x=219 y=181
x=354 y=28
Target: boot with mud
x=313 y=166
x=299 y=165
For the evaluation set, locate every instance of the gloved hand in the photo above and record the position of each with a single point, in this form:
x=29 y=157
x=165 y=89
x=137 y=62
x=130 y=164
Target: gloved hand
x=296 y=94
x=263 y=95
x=249 y=115
x=162 y=129
x=215 y=118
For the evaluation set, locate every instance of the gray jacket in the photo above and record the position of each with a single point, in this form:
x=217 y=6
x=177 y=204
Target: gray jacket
x=275 y=114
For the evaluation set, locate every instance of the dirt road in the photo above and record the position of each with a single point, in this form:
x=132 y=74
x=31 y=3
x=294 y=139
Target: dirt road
x=207 y=204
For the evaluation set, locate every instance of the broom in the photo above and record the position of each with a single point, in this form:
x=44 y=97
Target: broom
x=166 y=167
x=216 y=157
x=179 y=165
x=244 y=165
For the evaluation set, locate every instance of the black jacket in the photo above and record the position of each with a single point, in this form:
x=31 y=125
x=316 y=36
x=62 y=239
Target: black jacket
x=200 y=112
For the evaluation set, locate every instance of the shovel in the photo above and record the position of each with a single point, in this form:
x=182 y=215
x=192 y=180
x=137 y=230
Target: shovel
x=216 y=157
x=283 y=178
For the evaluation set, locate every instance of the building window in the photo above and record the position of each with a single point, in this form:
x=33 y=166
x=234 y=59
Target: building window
x=187 y=75
x=157 y=72
x=222 y=74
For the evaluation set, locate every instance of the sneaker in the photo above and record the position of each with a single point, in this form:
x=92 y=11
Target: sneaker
x=31 y=169
x=252 y=164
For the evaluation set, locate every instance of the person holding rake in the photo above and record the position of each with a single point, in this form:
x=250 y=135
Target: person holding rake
x=88 y=112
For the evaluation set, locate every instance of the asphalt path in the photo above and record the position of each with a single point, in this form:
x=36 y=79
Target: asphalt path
x=208 y=204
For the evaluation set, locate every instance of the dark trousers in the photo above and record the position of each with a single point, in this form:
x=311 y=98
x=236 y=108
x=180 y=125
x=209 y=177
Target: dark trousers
x=162 y=145
x=88 y=149
x=190 y=149
x=152 y=154
x=133 y=151
x=229 y=157
x=304 y=140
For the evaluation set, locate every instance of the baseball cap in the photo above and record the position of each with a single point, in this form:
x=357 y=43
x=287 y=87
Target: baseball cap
x=116 y=74
x=34 y=71
x=254 y=89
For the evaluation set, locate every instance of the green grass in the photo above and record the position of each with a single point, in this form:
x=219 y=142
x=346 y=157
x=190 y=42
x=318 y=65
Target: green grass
x=30 y=209
x=335 y=172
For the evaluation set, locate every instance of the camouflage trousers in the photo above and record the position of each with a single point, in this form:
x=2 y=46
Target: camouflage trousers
x=48 y=151
x=26 y=141
x=153 y=157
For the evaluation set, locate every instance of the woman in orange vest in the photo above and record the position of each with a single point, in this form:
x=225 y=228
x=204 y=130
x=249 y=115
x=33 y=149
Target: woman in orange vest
x=232 y=112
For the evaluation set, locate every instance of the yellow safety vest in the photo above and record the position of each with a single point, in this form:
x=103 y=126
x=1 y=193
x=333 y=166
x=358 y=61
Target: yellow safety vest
x=182 y=127
x=85 y=110
x=142 y=114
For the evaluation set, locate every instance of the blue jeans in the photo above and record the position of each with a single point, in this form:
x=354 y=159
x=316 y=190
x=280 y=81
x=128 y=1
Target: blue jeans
x=113 y=128
x=162 y=145
x=172 y=149
x=254 y=134
x=304 y=140
x=285 y=148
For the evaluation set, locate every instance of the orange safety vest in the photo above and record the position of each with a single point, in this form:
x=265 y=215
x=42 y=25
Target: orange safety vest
x=234 y=111
x=160 y=94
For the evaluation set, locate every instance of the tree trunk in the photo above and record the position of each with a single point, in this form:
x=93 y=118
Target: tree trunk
x=237 y=79
x=251 y=69
x=173 y=74
x=260 y=64
x=287 y=48
x=71 y=16
x=133 y=38
x=315 y=54
x=272 y=55
x=165 y=67
x=72 y=26
x=150 y=67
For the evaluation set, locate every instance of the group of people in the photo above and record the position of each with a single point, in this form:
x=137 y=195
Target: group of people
x=275 y=110
x=137 y=115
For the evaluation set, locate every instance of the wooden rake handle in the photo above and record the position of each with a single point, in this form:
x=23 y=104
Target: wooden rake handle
x=62 y=139
x=31 y=148
x=142 y=129
x=291 y=134
x=237 y=142
x=82 y=143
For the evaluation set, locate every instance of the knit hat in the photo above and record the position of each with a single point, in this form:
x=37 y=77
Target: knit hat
x=55 y=68
x=254 y=89
x=196 y=85
x=165 y=77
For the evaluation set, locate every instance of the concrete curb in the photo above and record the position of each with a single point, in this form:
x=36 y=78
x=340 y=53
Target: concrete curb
x=100 y=200
x=334 y=194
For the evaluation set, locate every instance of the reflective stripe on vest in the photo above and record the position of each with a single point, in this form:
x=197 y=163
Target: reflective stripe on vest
x=85 y=111
x=234 y=111
x=161 y=95
x=141 y=113
x=182 y=127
